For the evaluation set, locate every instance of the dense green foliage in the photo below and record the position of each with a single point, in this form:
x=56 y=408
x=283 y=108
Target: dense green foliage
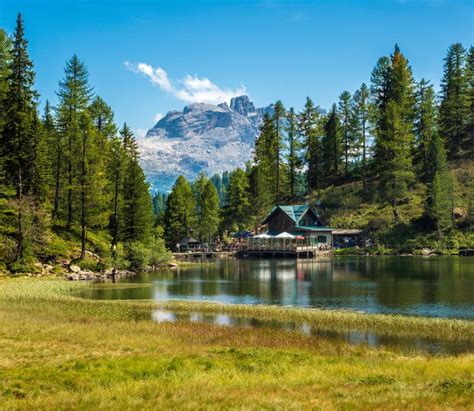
x=70 y=182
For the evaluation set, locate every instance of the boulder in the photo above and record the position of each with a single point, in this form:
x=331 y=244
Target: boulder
x=74 y=268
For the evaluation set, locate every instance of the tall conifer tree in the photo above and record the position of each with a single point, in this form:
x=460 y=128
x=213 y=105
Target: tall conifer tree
x=294 y=149
x=395 y=137
x=361 y=113
x=425 y=128
x=74 y=95
x=308 y=124
x=455 y=104
x=332 y=146
x=179 y=215
x=344 y=112
x=279 y=127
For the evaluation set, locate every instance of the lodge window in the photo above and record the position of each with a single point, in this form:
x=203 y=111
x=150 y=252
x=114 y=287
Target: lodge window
x=322 y=239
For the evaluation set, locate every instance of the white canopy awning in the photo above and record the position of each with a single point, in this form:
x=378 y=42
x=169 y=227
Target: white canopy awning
x=263 y=235
x=285 y=235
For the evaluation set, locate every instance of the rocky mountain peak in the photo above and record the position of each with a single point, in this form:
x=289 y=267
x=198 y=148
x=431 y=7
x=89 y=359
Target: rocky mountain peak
x=201 y=137
x=242 y=105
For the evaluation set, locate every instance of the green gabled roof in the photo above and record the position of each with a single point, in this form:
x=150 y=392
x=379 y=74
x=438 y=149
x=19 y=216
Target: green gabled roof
x=295 y=212
x=313 y=228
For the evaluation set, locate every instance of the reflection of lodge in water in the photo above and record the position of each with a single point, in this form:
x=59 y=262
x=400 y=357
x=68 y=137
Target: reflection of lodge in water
x=293 y=232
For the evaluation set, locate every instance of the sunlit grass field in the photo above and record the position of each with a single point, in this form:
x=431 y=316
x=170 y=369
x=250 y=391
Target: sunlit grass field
x=62 y=352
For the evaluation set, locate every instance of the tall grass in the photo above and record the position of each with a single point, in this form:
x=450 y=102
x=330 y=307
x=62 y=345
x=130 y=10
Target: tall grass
x=58 y=351
x=60 y=296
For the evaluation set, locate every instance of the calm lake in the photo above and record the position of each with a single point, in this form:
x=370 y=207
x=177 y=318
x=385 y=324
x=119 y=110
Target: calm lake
x=421 y=286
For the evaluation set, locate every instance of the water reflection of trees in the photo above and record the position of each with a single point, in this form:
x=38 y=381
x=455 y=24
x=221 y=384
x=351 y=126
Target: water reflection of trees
x=389 y=284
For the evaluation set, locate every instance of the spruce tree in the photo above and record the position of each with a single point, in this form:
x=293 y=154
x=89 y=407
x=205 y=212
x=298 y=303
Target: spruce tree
x=279 y=127
x=332 y=147
x=380 y=93
x=41 y=170
x=20 y=104
x=137 y=205
x=395 y=140
x=308 y=124
x=425 y=128
x=129 y=142
x=294 y=149
x=469 y=146
x=361 y=113
x=208 y=217
x=55 y=154
x=74 y=95
x=440 y=202
x=265 y=161
x=455 y=105
x=116 y=173
x=92 y=180
x=19 y=129
x=5 y=46
x=206 y=208
x=344 y=113
x=237 y=213
x=179 y=215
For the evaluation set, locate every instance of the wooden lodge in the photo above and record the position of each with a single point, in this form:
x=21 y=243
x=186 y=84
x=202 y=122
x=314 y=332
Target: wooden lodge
x=292 y=231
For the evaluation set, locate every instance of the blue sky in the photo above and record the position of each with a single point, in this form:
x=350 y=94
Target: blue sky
x=149 y=57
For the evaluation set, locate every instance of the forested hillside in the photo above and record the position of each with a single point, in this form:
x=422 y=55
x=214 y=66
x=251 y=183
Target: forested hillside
x=394 y=157
x=71 y=183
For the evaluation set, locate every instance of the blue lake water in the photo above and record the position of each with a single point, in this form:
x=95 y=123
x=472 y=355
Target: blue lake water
x=421 y=286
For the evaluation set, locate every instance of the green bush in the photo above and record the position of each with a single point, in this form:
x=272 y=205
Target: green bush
x=138 y=254
x=88 y=264
x=25 y=267
x=159 y=254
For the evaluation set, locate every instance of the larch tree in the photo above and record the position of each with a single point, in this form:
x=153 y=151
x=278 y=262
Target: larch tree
x=469 y=146
x=55 y=150
x=279 y=127
x=332 y=146
x=425 y=129
x=209 y=217
x=294 y=149
x=395 y=139
x=5 y=46
x=74 y=96
x=137 y=214
x=455 y=106
x=237 y=213
x=179 y=216
x=265 y=162
x=361 y=113
x=19 y=128
x=308 y=124
x=440 y=202
x=344 y=112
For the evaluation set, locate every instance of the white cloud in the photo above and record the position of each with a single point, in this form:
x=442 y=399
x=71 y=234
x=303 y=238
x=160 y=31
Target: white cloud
x=193 y=89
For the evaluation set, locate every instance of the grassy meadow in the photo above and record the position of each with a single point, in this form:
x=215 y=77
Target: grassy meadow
x=62 y=352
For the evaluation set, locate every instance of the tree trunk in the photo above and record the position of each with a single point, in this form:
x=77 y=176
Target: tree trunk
x=116 y=193
x=19 y=251
x=57 y=182
x=396 y=216
x=69 y=189
x=364 y=154
x=83 y=196
x=278 y=163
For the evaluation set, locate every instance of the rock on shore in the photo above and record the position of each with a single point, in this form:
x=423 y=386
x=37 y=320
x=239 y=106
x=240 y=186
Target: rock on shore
x=77 y=274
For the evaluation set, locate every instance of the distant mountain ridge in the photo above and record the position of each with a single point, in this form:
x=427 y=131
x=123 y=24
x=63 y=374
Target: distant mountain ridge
x=201 y=137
